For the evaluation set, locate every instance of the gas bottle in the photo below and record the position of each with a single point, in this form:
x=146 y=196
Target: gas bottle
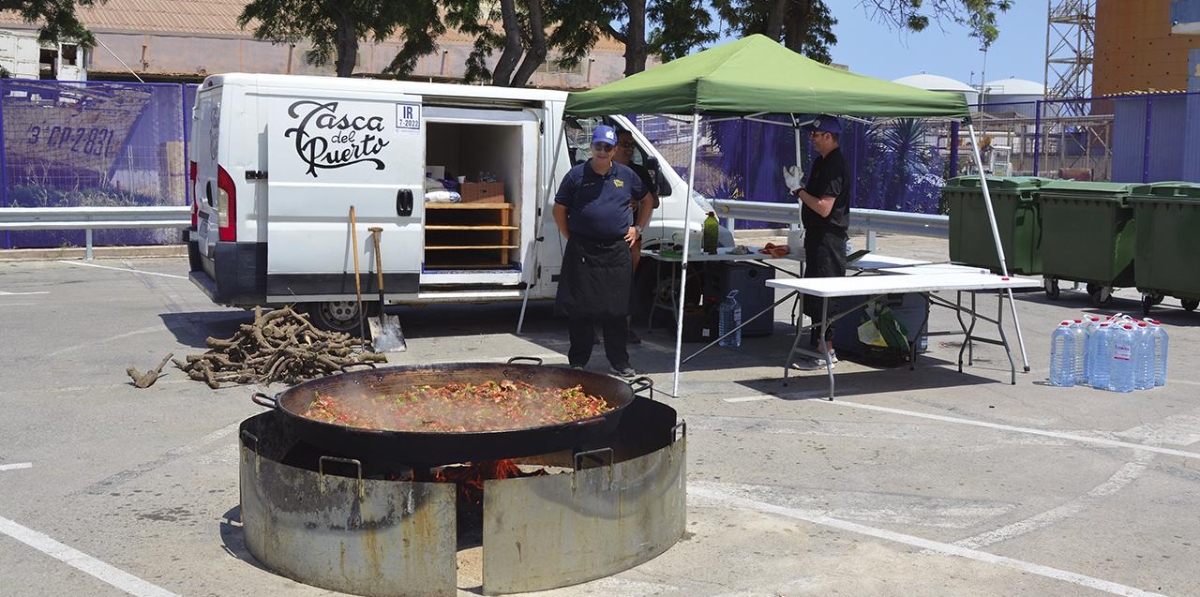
x=711 y=234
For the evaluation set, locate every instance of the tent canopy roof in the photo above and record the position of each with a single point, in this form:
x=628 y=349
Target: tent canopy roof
x=757 y=75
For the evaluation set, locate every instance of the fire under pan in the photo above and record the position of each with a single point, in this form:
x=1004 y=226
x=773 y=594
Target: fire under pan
x=357 y=524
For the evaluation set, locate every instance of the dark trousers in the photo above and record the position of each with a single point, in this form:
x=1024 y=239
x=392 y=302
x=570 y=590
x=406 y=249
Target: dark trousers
x=824 y=257
x=583 y=337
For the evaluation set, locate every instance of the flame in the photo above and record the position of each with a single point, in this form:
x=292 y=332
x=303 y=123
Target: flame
x=471 y=476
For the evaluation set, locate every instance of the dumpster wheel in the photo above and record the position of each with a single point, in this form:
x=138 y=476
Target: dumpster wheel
x=1101 y=295
x=1189 y=304
x=1149 y=300
x=1051 y=286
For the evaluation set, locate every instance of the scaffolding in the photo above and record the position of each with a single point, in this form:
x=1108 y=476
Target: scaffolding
x=1070 y=44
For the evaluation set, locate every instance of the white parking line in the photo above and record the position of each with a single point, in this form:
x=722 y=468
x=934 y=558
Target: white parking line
x=123 y=269
x=1055 y=434
x=93 y=344
x=16 y=466
x=3 y=293
x=81 y=561
x=725 y=499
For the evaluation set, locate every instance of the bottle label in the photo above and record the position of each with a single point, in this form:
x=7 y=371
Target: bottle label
x=1122 y=352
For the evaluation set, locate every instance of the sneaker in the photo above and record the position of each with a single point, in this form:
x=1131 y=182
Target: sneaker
x=577 y=367
x=626 y=372
x=811 y=364
x=831 y=352
x=633 y=338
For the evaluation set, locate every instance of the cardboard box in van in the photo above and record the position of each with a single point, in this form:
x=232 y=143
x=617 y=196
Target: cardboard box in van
x=482 y=192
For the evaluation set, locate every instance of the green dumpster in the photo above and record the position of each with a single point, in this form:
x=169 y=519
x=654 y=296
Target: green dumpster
x=1014 y=201
x=1088 y=235
x=1168 y=241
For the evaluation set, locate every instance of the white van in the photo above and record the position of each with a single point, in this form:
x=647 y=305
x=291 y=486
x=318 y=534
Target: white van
x=277 y=161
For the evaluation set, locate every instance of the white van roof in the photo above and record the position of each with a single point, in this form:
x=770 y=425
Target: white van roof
x=446 y=90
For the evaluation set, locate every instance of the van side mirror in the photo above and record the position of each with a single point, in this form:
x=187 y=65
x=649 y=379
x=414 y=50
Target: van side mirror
x=662 y=186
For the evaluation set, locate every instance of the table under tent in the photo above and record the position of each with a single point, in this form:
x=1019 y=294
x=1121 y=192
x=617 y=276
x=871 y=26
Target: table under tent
x=756 y=76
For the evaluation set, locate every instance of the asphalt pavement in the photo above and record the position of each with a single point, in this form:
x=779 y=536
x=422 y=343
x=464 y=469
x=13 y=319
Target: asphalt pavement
x=912 y=482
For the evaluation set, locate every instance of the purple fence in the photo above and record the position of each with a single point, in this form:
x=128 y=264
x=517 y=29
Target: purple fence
x=101 y=143
x=902 y=164
x=91 y=144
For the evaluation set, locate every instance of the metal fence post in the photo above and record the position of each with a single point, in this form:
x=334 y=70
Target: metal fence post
x=953 y=142
x=1037 y=137
x=87 y=235
x=1146 y=141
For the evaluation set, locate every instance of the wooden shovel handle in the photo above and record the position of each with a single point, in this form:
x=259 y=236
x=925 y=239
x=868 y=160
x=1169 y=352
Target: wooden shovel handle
x=378 y=262
x=354 y=239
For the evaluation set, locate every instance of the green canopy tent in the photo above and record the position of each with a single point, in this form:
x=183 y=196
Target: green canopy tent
x=756 y=75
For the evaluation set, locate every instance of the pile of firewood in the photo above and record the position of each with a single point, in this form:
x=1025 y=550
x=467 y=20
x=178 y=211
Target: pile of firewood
x=281 y=345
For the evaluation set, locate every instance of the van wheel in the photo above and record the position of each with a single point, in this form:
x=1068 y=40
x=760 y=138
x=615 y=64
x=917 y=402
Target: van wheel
x=334 y=316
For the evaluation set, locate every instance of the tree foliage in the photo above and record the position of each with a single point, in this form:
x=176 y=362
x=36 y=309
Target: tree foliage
x=57 y=19
x=335 y=27
x=979 y=16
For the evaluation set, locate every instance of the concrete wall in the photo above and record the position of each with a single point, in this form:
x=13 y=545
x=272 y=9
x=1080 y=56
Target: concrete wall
x=1135 y=50
x=197 y=56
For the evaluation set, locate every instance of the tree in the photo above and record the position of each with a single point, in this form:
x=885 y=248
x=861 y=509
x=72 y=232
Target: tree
x=806 y=26
x=57 y=17
x=522 y=39
x=334 y=27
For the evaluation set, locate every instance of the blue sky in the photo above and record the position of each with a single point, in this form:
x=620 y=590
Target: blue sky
x=872 y=49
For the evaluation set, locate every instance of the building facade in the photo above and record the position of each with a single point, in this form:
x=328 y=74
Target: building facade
x=185 y=40
x=1136 y=51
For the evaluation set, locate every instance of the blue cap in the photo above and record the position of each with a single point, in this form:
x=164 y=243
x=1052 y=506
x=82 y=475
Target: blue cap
x=604 y=134
x=825 y=123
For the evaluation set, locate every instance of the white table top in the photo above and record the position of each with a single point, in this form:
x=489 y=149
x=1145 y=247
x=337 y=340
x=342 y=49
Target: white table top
x=722 y=255
x=915 y=282
x=900 y=265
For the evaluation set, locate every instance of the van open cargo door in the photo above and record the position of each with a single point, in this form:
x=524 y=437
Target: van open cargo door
x=325 y=154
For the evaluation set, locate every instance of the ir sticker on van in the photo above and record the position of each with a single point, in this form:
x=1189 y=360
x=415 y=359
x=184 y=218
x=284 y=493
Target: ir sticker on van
x=408 y=117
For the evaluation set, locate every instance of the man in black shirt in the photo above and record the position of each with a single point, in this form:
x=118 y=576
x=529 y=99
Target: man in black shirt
x=624 y=155
x=825 y=214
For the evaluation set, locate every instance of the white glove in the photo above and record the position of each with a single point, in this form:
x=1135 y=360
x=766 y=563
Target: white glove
x=792 y=175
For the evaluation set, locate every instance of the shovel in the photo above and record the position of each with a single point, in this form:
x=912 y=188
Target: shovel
x=385 y=329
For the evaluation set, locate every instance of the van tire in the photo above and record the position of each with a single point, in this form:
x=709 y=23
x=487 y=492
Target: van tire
x=337 y=316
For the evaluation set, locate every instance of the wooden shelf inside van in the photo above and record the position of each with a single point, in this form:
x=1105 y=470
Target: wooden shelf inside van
x=468 y=235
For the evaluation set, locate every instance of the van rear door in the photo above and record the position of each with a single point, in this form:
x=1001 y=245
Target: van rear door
x=327 y=153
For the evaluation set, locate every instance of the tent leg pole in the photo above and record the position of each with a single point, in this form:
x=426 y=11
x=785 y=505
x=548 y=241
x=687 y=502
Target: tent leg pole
x=687 y=237
x=987 y=202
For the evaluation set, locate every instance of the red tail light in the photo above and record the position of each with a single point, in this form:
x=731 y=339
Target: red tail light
x=192 y=170
x=226 y=207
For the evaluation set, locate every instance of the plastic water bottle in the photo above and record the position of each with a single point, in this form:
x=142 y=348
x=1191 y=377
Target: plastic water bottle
x=1158 y=351
x=1062 y=356
x=730 y=317
x=1124 y=348
x=1091 y=323
x=1100 y=369
x=1145 y=357
x=1080 y=336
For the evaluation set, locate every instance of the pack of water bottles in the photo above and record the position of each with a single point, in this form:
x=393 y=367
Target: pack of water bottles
x=1120 y=353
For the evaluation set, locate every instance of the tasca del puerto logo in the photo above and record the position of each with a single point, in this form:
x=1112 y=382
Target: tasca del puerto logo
x=326 y=139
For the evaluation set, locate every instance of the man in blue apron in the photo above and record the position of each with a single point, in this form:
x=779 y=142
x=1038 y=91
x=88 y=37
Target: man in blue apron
x=593 y=211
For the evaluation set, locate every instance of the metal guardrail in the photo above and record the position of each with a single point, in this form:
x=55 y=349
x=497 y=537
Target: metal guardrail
x=872 y=220
x=94 y=218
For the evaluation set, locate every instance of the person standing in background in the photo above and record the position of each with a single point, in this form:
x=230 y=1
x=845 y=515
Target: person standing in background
x=825 y=214
x=593 y=211
x=642 y=210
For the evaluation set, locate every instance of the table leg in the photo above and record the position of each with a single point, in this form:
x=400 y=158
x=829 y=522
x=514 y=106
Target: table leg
x=821 y=340
x=1004 y=339
x=912 y=359
x=787 y=365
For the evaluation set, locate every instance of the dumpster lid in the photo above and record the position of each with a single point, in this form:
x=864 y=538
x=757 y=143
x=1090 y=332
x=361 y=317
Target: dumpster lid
x=998 y=182
x=1184 y=191
x=1117 y=191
